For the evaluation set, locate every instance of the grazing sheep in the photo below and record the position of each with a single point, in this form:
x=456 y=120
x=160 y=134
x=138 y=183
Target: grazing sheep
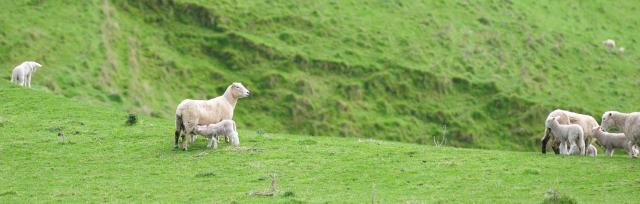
x=567 y=117
x=628 y=123
x=22 y=73
x=570 y=135
x=213 y=131
x=621 y=49
x=614 y=140
x=592 y=151
x=191 y=113
x=609 y=43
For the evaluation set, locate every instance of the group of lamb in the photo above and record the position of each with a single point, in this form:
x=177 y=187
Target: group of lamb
x=209 y=118
x=572 y=133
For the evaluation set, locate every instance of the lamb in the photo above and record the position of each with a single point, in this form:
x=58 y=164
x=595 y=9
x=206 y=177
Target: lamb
x=191 y=113
x=570 y=135
x=629 y=123
x=592 y=151
x=567 y=117
x=213 y=131
x=22 y=73
x=614 y=140
x=609 y=43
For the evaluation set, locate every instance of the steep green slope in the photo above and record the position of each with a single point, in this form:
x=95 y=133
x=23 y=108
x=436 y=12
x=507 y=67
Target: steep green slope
x=103 y=160
x=398 y=70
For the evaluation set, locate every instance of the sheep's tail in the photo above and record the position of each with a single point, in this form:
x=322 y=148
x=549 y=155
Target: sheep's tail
x=179 y=128
x=545 y=139
x=581 y=143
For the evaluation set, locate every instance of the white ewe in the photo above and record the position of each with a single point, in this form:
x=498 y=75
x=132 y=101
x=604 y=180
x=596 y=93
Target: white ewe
x=22 y=73
x=191 y=113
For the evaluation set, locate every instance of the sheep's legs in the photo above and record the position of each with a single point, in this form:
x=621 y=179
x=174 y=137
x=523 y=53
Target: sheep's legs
x=610 y=151
x=175 y=144
x=563 y=148
x=213 y=143
x=185 y=141
x=29 y=80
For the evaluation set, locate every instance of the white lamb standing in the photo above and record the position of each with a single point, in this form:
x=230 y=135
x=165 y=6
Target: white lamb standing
x=22 y=73
x=213 y=132
x=609 y=43
x=570 y=135
x=614 y=140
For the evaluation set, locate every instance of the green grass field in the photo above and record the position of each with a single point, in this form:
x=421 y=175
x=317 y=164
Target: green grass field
x=104 y=160
x=347 y=98
x=341 y=68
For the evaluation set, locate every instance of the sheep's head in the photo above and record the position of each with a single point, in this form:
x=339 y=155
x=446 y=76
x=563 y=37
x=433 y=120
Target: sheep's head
x=550 y=121
x=597 y=130
x=238 y=90
x=607 y=121
x=34 y=65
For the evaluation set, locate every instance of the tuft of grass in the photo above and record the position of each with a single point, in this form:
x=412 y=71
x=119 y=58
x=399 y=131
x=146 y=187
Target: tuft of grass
x=132 y=119
x=552 y=196
x=288 y=194
x=205 y=174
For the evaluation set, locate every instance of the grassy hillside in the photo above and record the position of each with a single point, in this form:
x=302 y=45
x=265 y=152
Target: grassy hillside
x=103 y=160
x=393 y=70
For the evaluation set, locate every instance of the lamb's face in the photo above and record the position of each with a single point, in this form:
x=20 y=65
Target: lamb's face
x=607 y=121
x=596 y=130
x=549 y=121
x=239 y=91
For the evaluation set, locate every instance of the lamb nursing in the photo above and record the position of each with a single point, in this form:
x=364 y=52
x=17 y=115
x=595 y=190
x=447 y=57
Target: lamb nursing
x=212 y=132
x=191 y=113
x=567 y=117
x=570 y=135
x=614 y=140
x=629 y=123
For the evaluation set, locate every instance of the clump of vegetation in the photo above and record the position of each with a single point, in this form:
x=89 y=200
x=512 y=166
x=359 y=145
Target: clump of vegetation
x=205 y=174
x=132 y=119
x=269 y=192
x=552 y=196
x=288 y=194
x=261 y=132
